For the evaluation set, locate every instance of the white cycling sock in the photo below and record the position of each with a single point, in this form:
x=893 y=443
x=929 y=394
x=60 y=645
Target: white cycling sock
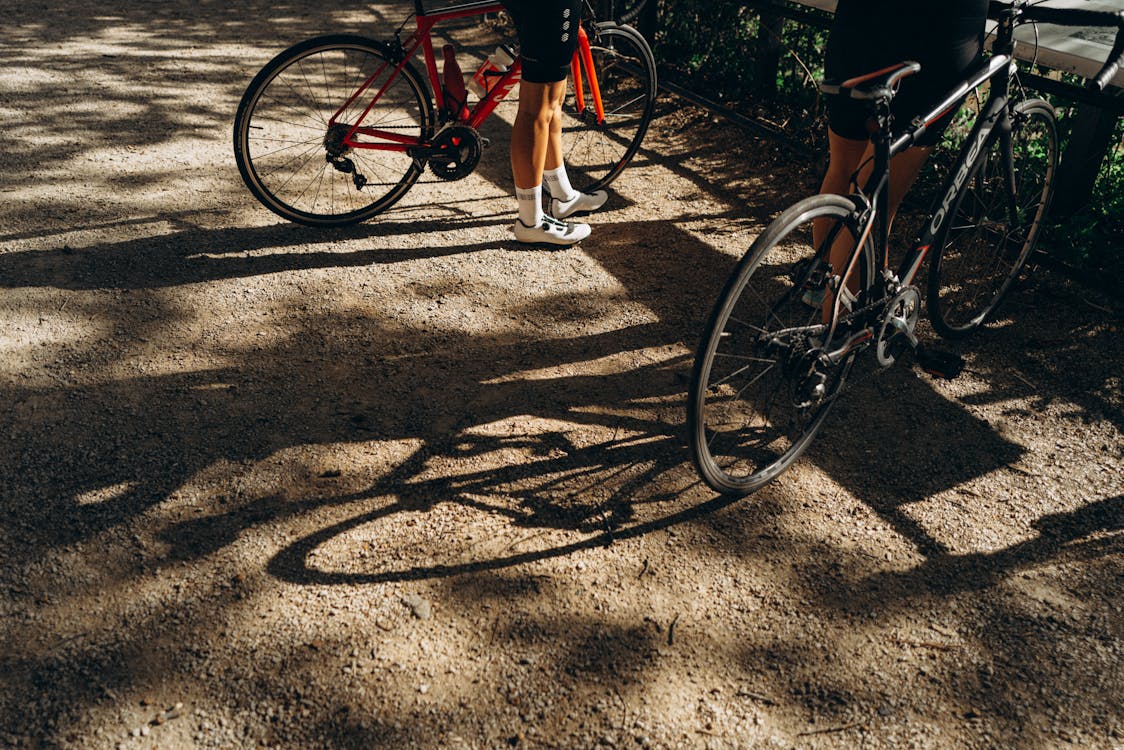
x=558 y=183
x=530 y=205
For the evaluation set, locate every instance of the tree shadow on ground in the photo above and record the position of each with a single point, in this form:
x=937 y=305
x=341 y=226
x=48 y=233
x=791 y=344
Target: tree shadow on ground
x=576 y=456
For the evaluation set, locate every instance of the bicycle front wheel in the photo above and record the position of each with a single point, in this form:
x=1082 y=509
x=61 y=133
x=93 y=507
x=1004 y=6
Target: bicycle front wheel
x=758 y=392
x=596 y=152
x=995 y=222
x=292 y=121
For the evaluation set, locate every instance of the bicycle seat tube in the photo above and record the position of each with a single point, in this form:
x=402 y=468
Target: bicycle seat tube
x=877 y=187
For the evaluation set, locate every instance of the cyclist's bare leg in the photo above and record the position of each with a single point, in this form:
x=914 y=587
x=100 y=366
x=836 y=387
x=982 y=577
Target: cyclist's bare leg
x=554 y=145
x=845 y=157
x=536 y=139
x=536 y=144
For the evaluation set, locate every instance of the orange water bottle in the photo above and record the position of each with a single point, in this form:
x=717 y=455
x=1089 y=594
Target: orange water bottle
x=490 y=71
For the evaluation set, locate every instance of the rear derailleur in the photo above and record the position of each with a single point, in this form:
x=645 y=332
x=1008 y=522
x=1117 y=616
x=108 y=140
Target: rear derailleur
x=335 y=148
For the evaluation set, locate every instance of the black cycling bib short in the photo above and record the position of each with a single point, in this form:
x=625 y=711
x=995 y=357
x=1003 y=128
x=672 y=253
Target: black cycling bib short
x=548 y=36
x=945 y=36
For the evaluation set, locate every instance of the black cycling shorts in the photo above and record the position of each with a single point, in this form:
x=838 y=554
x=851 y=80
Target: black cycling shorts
x=946 y=37
x=548 y=36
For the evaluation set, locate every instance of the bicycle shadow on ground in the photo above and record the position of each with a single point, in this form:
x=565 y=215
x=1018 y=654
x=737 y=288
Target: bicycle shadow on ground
x=1060 y=362
x=592 y=490
x=1088 y=533
x=895 y=440
x=891 y=440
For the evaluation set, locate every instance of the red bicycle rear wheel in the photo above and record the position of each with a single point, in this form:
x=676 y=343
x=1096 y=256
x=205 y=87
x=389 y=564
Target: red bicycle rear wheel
x=296 y=163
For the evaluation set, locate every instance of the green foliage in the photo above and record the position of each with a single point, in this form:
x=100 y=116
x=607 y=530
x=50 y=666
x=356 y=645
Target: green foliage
x=1090 y=239
x=720 y=49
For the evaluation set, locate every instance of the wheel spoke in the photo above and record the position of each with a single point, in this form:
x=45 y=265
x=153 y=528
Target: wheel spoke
x=595 y=152
x=986 y=245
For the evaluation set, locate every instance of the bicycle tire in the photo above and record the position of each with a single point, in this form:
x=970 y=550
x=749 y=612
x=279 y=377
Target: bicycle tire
x=281 y=133
x=981 y=249
x=736 y=444
x=595 y=154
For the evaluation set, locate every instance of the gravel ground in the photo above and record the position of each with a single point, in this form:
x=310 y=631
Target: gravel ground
x=413 y=485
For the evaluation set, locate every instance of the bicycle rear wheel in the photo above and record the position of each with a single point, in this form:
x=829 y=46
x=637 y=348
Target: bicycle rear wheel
x=596 y=153
x=294 y=161
x=758 y=395
x=992 y=231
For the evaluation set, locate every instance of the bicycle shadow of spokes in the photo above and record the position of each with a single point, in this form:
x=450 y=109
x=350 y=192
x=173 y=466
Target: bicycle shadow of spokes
x=441 y=522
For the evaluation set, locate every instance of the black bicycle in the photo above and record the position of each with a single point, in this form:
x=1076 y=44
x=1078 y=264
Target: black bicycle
x=768 y=368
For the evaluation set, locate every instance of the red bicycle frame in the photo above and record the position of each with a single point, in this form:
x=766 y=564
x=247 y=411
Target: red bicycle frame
x=391 y=141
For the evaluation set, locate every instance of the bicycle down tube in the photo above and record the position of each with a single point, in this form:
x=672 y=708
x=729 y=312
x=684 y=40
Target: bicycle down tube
x=999 y=70
x=993 y=113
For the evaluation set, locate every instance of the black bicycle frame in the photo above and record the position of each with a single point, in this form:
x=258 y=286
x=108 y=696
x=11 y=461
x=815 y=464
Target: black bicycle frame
x=999 y=70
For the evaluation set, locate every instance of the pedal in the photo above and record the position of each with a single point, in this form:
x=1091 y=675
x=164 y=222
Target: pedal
x=939 y=364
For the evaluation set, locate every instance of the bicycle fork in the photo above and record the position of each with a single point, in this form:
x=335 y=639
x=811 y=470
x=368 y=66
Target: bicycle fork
x=580 y=61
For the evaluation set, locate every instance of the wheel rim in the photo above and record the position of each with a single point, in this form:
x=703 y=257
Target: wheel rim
x=750 y=407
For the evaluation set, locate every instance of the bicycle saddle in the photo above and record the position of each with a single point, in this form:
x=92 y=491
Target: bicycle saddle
x=877 y=85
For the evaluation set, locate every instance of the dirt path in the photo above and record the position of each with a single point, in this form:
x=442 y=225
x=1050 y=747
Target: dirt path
x=412 y=485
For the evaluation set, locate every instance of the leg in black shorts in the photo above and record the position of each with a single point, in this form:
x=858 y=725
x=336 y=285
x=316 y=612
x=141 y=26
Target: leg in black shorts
x=868 y=35
x=945 y=37
x=548 y=36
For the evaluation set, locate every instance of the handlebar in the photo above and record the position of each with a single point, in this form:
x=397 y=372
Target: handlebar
x=1114 y=59
x=1027 y=13
x=631 y=15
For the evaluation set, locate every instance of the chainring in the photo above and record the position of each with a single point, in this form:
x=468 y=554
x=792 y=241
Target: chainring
x=455 y=152
x=895 y=334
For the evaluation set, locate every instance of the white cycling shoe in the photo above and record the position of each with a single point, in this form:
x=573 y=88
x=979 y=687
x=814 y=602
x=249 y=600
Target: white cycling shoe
x=581 y=203
x=551 y=232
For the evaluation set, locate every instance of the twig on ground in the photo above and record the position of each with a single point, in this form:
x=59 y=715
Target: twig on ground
x=757 y=697
x=831 y=730
x=926 y=644
x=1099 y=307
x=1017 y=376
x=671 y=630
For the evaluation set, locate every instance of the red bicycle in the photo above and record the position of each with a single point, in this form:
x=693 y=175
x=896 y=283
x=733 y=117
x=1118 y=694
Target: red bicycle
x=338 y=128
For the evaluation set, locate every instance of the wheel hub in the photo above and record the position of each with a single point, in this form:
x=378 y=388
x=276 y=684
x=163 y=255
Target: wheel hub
x=335 y=140
x=803 y=366
x=335 y=146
